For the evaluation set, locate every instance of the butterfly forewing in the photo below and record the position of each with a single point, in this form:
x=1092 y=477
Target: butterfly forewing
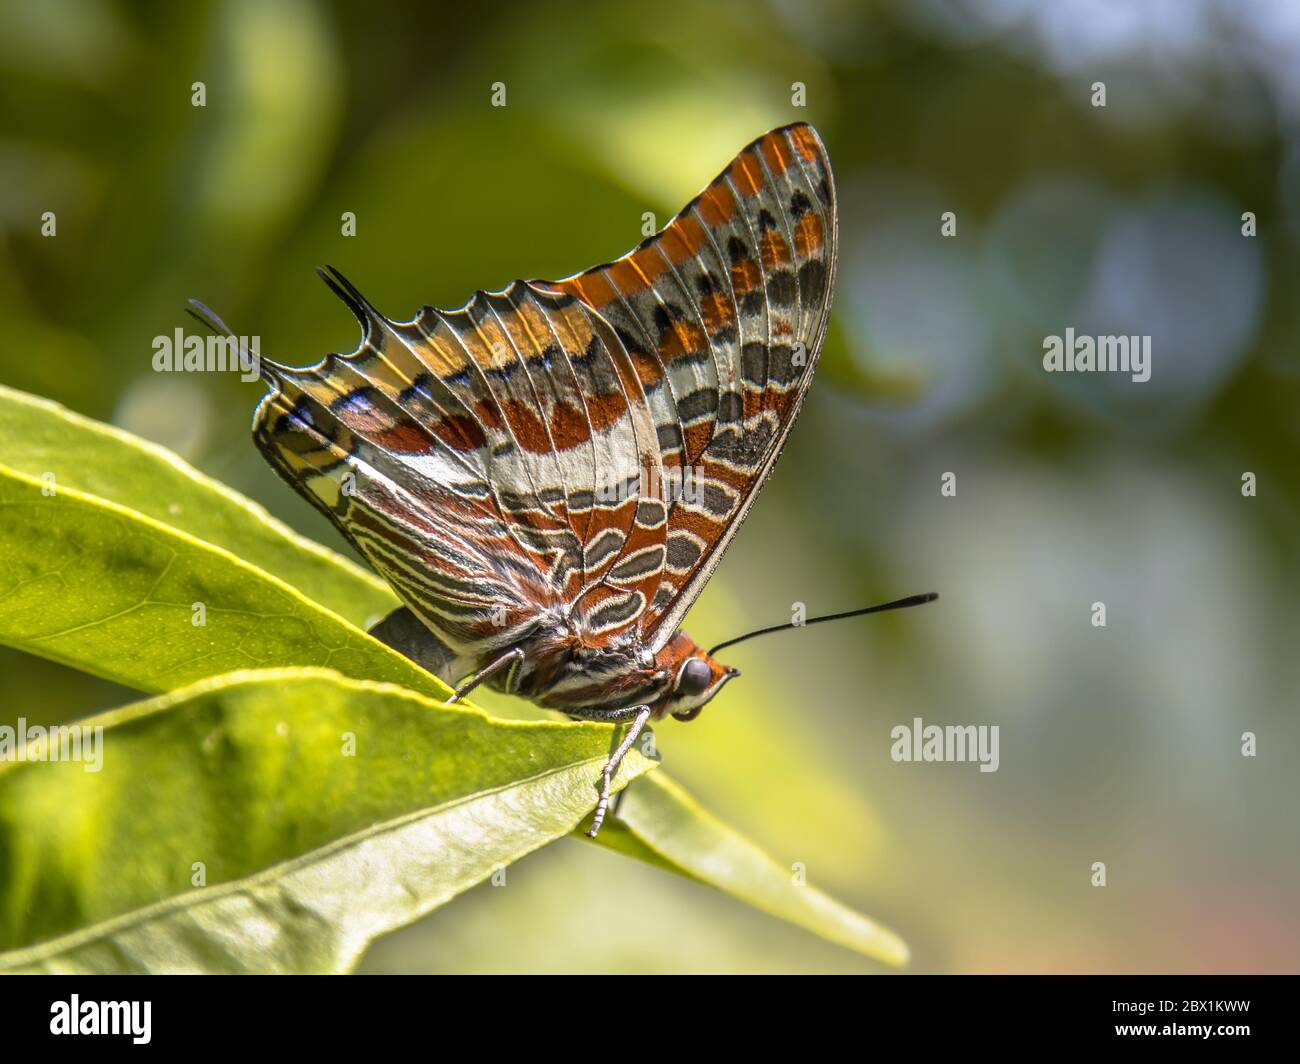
x=724 y=312
x=581 y=449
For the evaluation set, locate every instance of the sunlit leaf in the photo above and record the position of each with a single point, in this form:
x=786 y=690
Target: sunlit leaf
x=659 y=823
x=108 y=590
x=318 y=811
x=41 y=437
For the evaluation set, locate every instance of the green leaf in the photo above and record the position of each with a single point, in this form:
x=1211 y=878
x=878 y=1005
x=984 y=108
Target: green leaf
x=43 y=438
x=111 y=591
x=106 y=579
x=659 y=823
x=309 y=853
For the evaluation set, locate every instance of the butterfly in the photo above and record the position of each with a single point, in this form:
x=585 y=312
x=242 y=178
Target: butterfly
x=549 y=475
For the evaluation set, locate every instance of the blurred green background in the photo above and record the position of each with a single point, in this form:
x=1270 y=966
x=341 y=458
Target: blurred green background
x=1119 y=744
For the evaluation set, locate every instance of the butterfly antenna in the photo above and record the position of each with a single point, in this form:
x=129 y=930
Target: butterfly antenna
x=209 y=318
x=897 y=604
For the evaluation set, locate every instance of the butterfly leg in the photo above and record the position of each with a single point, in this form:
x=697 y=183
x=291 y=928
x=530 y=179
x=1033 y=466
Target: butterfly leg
x=641 y=715
x=510 y=657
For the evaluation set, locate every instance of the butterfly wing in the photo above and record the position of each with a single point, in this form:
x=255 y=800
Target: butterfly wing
x=492 y=463
x=724 y=312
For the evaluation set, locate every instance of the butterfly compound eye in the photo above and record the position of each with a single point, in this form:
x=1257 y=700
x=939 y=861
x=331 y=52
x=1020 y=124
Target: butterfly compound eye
x=695 y=677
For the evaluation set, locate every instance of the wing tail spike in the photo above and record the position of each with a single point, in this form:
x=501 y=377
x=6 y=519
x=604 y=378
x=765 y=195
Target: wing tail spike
x=345 y=290
x=370 y=319
x=207 y=317
x=270 y=372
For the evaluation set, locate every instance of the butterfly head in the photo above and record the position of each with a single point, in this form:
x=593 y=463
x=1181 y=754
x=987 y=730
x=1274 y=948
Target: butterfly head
x=696 y=677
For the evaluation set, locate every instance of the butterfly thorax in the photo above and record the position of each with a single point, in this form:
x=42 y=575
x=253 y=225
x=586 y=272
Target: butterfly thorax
x=564 y=673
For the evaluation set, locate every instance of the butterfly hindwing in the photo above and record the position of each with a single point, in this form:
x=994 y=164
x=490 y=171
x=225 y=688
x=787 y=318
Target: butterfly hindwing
x=484 y=461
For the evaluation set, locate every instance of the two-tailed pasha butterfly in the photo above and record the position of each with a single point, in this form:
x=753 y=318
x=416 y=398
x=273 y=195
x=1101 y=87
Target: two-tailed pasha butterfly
x=548 y=476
